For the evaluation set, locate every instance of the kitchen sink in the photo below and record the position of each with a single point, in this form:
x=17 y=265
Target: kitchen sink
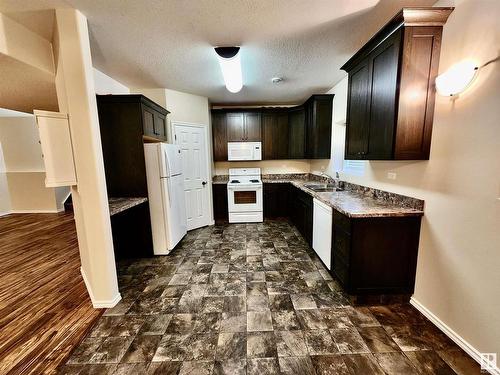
x=321 y=187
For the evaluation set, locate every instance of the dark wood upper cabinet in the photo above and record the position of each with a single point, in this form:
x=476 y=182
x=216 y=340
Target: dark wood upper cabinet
x=296 y=133
x=235 y=123
x=252 y=127
x=148 y=120
x=124 y=121
x=243 y=127
x=318 y=117
x=390 y=102
x=219 y=135
x=160 y=125
x=358 y=110
x=275 y=135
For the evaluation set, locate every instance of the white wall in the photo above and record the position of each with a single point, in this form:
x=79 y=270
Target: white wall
x=105 y=84
x=156 y=95
x=22 y=152
x=458 y=275
x=266 y=166
x=24 y=172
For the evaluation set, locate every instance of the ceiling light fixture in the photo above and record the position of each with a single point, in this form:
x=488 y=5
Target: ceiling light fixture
x=230 y=65
x=457 y=78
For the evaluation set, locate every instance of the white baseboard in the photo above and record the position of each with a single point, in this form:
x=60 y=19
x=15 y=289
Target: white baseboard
x=99 y=304
x=34 y=211
x=460 y=341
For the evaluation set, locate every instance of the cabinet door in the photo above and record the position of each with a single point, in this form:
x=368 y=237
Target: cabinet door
x=296 y=122
x=358 y=110
x=384 y=75
x=235 y=123
x=281 y=136
x=419 y=68
x=220 y=202
x=160 y=125
x=252 y=127
x=271 y=208
x=322 y=127
x=148 y=121
x=293 y=212
x=308 y=130
x=275 y=200
x=308 y=219
x=219 y=136
x=268 y=136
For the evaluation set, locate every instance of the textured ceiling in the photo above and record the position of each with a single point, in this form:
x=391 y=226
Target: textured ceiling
x=168 y=43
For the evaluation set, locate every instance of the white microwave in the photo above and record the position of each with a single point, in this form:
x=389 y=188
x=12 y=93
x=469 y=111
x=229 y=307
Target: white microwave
x=244 y=151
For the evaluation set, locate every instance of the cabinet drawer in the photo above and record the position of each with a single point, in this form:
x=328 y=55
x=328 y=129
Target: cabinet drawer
x=342 y=244
x=341 y=221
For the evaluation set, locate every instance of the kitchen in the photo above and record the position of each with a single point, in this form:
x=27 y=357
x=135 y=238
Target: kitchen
x=294 y=202
x=284 y=246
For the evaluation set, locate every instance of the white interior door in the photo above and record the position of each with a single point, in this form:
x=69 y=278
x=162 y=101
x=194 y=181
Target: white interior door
x=192 y=141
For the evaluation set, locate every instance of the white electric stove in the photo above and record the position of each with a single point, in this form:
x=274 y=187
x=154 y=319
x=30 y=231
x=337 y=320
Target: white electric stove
x=244 y=195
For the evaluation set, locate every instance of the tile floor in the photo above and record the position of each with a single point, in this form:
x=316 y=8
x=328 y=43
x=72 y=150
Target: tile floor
x=254 y=299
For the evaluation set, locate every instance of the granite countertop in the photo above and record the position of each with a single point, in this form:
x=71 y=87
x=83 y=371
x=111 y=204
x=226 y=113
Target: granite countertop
x=355 y=201
x=117 y=205
x=355 y=204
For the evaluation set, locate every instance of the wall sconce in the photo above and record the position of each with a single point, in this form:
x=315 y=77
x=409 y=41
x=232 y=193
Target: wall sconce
x=457 y=78
x=230 y=65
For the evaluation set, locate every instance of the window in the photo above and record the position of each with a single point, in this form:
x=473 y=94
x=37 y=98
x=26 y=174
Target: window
x=354 y=167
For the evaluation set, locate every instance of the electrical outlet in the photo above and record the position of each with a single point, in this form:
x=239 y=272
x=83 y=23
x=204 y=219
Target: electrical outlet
x=391 y=175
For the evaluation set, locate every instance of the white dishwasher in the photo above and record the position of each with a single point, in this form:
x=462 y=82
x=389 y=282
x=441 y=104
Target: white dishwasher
x=322 y=232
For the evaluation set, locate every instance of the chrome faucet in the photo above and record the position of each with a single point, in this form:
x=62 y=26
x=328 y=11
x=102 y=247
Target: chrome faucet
x=340 y=184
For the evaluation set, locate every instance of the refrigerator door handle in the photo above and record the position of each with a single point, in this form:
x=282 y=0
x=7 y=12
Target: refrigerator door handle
x=168 y=191
x=167 y=162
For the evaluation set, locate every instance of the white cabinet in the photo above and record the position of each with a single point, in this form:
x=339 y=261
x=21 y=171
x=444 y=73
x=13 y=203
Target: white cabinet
x=322 y=232
x=55 y=138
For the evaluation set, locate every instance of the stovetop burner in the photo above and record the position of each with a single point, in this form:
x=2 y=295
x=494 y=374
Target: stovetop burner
x=254 y=181
x=235 y=182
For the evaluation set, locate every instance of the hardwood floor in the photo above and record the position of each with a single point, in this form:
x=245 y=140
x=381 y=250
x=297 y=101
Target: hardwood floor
x=45 y=310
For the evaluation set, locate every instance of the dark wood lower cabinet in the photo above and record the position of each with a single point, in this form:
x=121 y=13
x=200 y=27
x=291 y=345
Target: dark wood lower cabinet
x=300 y=212
x=219 y=192
x=131 y=230
x=376 y=255
x=276 y=200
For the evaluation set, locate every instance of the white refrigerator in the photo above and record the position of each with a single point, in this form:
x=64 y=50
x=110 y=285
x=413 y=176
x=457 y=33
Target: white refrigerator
x=166 y=195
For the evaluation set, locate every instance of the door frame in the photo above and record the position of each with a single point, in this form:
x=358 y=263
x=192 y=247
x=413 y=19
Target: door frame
x=208 y=158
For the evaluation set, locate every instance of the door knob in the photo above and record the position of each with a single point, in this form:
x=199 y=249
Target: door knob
x=204 y=183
